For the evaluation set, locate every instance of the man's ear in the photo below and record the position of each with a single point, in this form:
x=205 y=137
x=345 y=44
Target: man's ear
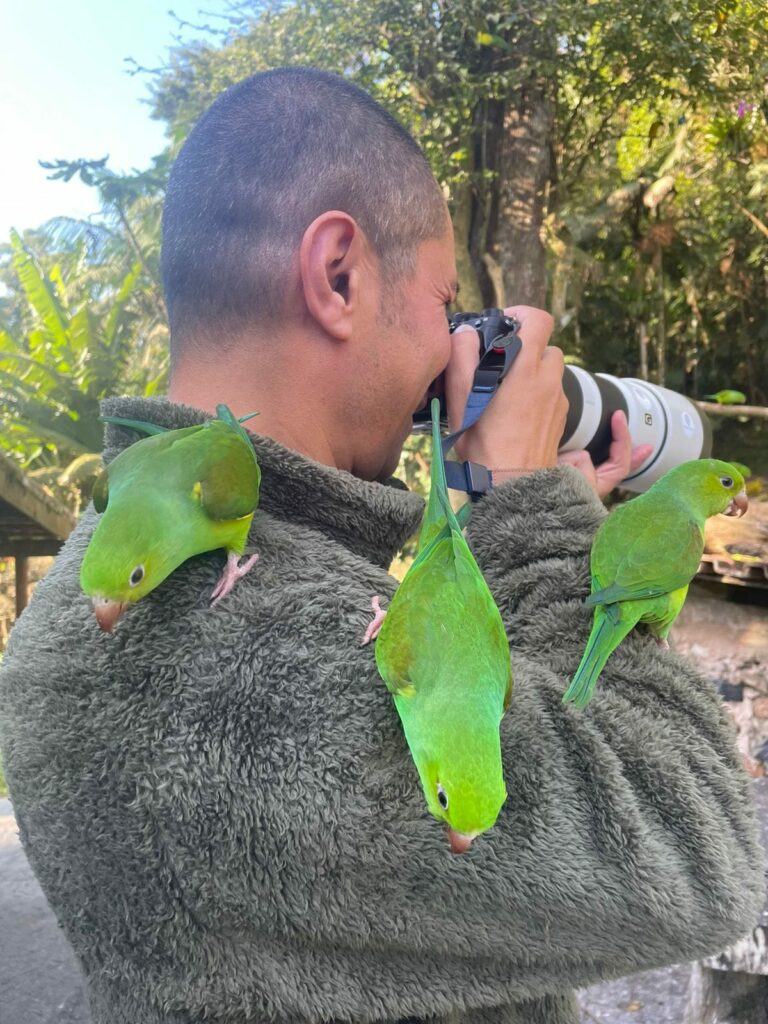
x=331 y=260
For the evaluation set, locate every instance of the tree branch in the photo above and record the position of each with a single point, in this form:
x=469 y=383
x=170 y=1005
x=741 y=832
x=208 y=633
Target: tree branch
x=714 y=409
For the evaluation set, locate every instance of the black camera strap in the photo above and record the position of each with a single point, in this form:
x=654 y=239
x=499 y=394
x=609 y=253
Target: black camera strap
x=502 y=345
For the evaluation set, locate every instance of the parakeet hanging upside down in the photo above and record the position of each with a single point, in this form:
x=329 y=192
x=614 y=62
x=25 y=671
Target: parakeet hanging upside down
x=169 y=496
x=644 y=556
x=444 y=656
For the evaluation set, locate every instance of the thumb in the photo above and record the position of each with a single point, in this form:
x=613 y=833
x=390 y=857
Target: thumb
x=460 y=371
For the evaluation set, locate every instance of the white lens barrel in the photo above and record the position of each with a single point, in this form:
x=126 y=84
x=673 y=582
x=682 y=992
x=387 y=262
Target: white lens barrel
x=668 y=421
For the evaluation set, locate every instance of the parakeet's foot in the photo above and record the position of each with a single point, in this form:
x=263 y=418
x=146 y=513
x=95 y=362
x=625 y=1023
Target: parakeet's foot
x=232 y=573
x=663 y=643
x=378 y=618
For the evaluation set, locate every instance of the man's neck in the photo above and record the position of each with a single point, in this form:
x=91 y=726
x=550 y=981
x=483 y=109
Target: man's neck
x=297 y=420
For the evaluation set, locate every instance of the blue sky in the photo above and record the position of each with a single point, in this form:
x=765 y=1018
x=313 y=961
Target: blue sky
x=65 y=93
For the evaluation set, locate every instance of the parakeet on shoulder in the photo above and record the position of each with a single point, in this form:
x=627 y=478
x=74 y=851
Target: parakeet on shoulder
x=644 y=556
x=169 y=496
x=443 y=653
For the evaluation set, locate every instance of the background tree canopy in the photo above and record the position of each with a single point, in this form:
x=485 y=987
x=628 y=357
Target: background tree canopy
x=603 y=158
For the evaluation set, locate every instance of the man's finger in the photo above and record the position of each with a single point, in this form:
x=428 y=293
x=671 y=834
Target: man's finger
x=536 y=326
x=620 y=450
x=460 y=372
x=581 y=461
x=639 y=455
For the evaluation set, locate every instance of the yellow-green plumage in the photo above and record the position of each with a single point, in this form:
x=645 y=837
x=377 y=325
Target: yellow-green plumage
x=645 y=555
x=169 y=496
x=444 y=655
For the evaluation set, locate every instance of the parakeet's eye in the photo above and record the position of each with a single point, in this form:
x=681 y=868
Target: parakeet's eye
x=726 y=481
x=137 y=576
x=442 y=797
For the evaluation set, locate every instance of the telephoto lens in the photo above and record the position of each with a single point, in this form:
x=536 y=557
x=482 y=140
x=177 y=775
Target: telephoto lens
x=674 y=427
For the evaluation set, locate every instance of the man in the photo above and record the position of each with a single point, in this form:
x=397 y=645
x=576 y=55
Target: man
x=219 y=802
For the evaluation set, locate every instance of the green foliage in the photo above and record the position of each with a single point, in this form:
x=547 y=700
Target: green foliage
x=69 y=339
x=647 y=123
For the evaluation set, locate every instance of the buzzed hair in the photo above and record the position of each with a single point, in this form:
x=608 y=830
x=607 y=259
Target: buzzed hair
x=269 y=156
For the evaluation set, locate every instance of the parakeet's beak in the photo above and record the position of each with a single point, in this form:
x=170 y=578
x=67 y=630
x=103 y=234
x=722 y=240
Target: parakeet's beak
x=108 y=612
x=738 y=505
x=460 y=841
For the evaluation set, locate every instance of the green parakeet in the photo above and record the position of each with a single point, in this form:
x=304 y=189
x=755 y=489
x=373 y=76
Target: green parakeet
x=169 y=496
x=443 y=653
x=728 y=397
x=644 y=556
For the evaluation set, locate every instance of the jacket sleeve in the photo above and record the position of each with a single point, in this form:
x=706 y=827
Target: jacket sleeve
x=631 y=827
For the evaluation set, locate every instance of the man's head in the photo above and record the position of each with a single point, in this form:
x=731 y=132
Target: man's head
x=302 y=231
x=270 y=155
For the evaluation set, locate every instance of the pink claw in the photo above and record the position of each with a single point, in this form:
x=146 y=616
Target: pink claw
x=232 y=573
x=378 y=618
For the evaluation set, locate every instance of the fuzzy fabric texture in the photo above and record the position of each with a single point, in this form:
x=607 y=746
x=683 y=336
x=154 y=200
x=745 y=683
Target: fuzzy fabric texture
x=221 y=808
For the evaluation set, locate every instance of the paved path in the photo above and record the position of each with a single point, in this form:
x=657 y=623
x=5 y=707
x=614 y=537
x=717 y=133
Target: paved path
x=39 y=977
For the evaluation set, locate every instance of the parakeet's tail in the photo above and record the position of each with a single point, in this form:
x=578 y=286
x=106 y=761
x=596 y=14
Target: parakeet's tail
x=225 y=414
x=439 y=519
x=439 y=489
x=140 y=425
x=609 y=628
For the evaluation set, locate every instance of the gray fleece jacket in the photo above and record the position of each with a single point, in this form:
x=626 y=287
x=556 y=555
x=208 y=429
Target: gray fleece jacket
x=221 y=808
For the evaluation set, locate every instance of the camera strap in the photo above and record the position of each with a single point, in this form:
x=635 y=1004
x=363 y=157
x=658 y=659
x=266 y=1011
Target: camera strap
x=493 y=367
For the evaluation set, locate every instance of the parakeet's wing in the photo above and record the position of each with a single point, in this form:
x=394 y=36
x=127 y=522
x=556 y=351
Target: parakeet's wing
x=657 y=560
x=476 y=598
x=228 y=474
x=443 y=583
x=412 y=614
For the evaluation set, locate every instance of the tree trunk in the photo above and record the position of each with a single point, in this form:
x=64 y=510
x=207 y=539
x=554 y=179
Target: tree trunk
x=661 y=323
x=470 y=294
x=642 y=337
x=516 y=231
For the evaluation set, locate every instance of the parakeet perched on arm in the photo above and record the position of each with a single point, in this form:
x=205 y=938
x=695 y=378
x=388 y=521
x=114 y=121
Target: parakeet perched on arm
x=644 y=556
x=444 y=656
x=169 y=496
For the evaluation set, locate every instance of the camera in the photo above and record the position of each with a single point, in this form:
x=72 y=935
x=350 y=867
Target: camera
x=673 y=425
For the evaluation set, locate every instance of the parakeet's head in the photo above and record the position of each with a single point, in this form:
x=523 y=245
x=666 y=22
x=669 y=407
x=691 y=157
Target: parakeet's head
x=123 y=563
x=463 y=783
x=711 y=486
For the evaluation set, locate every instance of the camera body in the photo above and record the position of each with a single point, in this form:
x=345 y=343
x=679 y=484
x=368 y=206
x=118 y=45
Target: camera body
x=673 y=425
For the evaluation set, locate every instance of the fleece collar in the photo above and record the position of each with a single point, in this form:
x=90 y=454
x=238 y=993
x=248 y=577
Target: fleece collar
x=371 y=519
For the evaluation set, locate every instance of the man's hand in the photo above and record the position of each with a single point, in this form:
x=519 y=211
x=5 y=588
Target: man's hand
x=520 y=430
x=622 y=459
